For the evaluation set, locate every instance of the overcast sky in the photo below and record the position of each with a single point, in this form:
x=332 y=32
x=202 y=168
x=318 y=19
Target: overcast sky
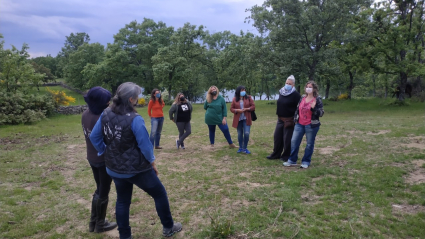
x=43 y=24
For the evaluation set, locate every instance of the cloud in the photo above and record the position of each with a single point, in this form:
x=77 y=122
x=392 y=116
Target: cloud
x=43 y=24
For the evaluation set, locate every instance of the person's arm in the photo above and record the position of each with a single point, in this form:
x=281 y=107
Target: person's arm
x=150 y=108
x=172 y=111
x=233 y=106
x=317 y=108
x=142 y=137
x=206 y=105
x=96 y=137
x=224 y=112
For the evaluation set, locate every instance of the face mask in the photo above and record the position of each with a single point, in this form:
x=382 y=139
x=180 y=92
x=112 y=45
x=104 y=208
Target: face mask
x=158 y=95
x=308 y=90
x=214 y=93
x=288 y=87
x=243 y=93
x=182 y=98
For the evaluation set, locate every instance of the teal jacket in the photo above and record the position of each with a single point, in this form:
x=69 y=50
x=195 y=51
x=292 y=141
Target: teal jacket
x=216 y=111
x=174 y=110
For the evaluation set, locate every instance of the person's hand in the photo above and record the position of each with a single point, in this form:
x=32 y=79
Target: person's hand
x=154 y=168
x=224 y=121
x=241 y=110
x=313 y=104
x=246 y=109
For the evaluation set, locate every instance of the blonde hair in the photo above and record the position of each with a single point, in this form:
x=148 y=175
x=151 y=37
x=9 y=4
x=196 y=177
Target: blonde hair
x=209 y=96
x=315 y=88
x=177 y=99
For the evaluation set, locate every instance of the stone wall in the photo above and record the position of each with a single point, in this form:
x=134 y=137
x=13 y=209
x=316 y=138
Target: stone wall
x=72 y=110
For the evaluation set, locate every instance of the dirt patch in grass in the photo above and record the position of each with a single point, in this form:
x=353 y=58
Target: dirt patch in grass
x=310 y=198
x=328 y=150
x=322 y=177
x=415 y=145
x=418 y=175
x=407 y=209
x=379 y=132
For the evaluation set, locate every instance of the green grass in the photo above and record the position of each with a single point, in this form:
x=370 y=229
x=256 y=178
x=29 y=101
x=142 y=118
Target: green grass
x=361 y=183
x=79 y=99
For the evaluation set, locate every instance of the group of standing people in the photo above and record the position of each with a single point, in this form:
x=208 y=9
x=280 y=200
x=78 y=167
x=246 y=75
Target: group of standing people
x=120 y=149
x=297 y=116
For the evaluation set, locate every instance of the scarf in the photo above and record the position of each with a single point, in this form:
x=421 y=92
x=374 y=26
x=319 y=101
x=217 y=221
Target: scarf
x=284 y=92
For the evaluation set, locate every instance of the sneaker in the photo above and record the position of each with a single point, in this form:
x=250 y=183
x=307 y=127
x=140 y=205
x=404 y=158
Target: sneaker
x=288 y=164
x=167 y=232
x=182 y=147
x=240 y=150
x=177 y=144
x=303 y=165
x=247 y=151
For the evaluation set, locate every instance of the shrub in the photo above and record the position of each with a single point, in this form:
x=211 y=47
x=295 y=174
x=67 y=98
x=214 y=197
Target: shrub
x=141 y=101
x=18 y=108
x=343 y=96
x=419 y=97
x=60 y=97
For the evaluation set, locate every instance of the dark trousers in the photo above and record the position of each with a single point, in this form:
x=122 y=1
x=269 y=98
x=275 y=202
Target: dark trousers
x=103 y=181
x=224 y=129
x=282 y=141
x=148 y=182
x=184 y=131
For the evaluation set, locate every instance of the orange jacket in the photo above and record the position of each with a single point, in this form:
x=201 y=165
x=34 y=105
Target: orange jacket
x=155 y=109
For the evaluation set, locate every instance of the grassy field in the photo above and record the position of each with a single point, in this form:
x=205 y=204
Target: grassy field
x=367 y=179
x=79 y=99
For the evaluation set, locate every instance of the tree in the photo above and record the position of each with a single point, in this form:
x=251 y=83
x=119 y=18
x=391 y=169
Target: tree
x=48 y=62
x=72 y=43
x=86 y=54
x=398 y=30
x=15 y=70
x=299 y=33
x=175 y=65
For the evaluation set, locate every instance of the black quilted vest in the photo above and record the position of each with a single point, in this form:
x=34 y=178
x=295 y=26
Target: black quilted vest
x=122 y=155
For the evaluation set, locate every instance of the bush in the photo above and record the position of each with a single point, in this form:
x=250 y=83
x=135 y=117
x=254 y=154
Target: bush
x=343 y=96
x=419 y=97
x=141 y=101
x=60 y=97
x=18 y=108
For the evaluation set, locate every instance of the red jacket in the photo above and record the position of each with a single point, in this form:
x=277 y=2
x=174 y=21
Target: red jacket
x=247 y=103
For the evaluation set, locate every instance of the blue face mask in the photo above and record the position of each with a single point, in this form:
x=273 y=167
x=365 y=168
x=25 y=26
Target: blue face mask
x=288 y=87
x=158 y=95
x=243 y=93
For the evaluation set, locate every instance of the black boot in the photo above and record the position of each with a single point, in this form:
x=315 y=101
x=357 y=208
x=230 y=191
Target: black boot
x=93 y=216
x=103 y=225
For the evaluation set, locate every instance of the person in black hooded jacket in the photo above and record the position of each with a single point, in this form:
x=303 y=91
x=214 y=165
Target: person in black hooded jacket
x=97 y=99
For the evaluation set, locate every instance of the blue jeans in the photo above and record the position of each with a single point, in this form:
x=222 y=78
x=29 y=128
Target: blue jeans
x=310 y=133
x=224 y=129
x=148 y=182
x=156 y=129
x=243 y=134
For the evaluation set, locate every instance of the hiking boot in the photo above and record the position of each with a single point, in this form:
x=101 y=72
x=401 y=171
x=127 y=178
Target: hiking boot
x=167 y=232
x=158 y=147
x=232 y=146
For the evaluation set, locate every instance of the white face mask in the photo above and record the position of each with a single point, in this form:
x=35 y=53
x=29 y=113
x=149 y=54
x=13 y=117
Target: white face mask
x=308 y=90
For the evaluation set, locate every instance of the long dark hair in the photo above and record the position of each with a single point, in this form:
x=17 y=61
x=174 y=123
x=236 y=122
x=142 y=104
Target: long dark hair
x=121 y=102
x=153 y=96
x=238 y=93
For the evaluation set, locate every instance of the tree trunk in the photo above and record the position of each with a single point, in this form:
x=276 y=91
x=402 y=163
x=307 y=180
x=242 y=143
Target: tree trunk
x=328 y=86
x=351 y=85
x=403 y=82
